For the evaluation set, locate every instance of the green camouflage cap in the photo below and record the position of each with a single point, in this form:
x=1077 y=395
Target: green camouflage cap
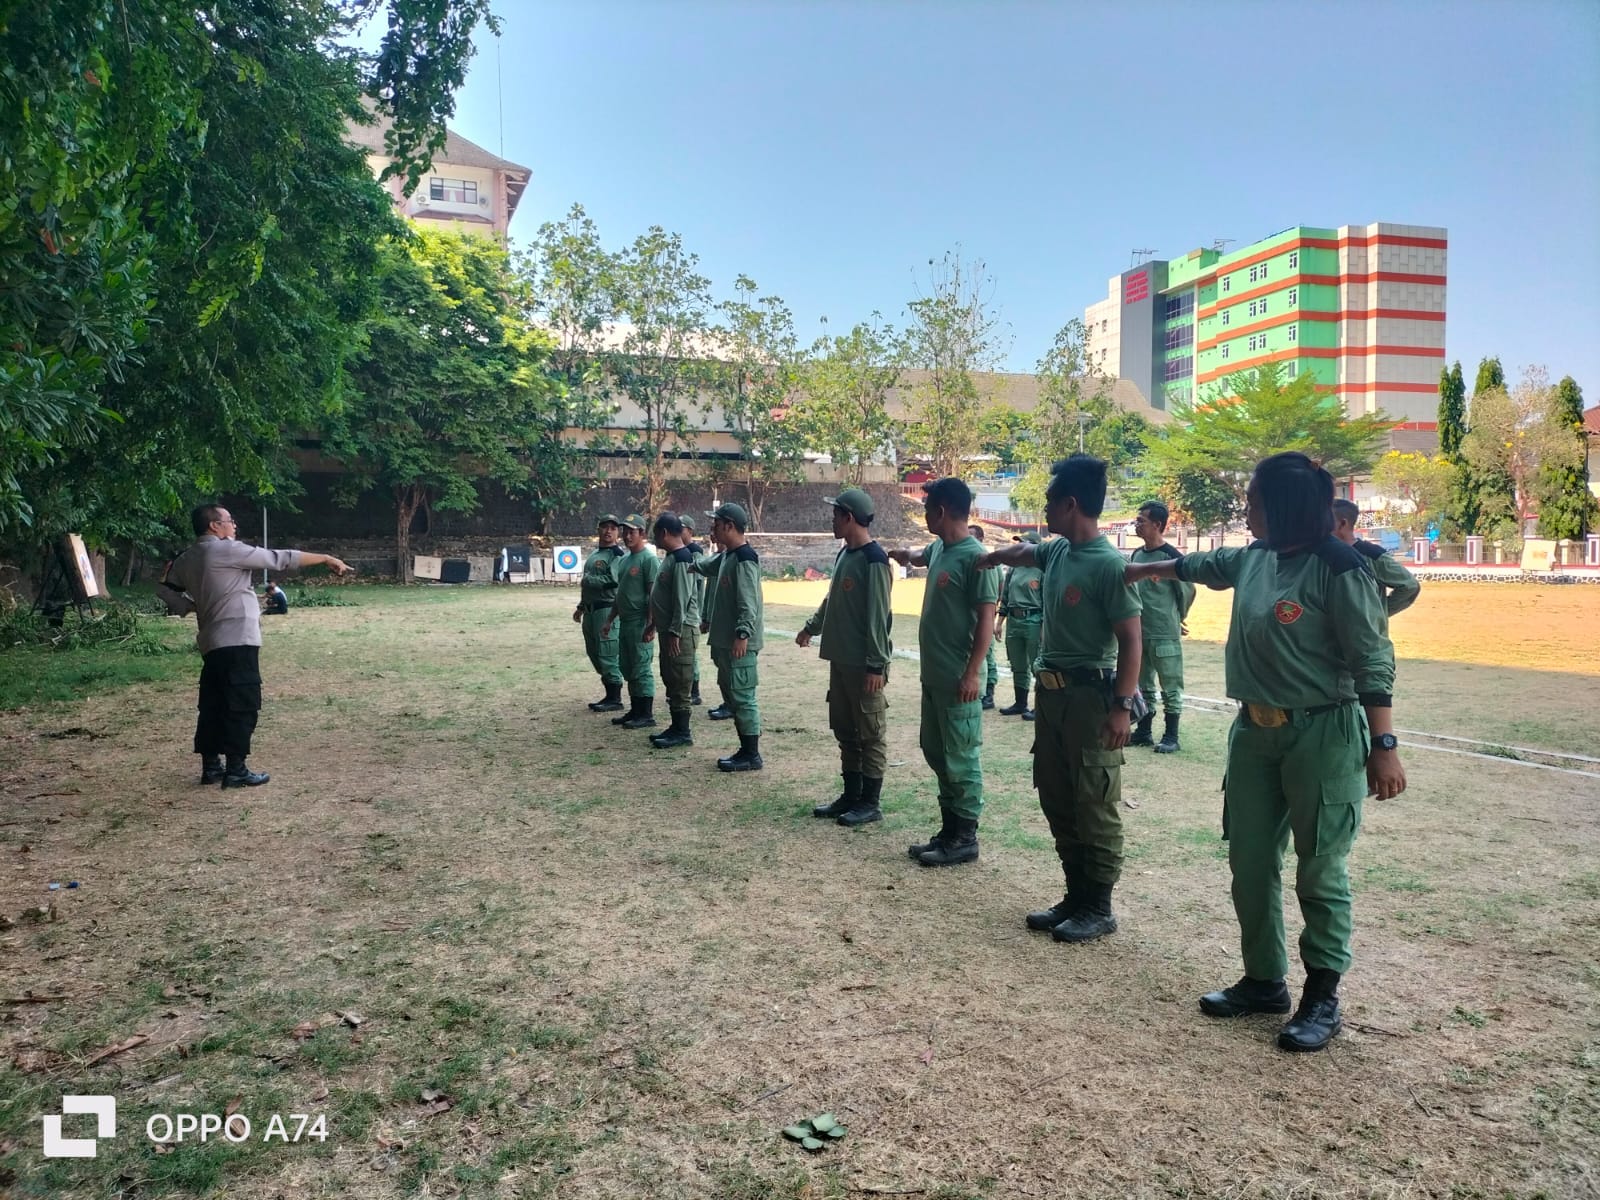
x=607 y=519
x=634 y=521
x=732 y=513
x=855 y=502
x=1031 y=537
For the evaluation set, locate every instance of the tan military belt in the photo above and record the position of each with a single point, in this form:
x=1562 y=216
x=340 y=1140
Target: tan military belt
x=1264 y=716
x=1055 y=681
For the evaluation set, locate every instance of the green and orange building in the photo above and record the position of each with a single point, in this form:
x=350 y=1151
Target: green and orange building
x=1359 y=308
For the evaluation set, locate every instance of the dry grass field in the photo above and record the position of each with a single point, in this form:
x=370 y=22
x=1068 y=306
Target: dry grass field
x=508 y=950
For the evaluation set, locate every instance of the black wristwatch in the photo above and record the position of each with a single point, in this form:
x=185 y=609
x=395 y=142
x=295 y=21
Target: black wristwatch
x=1125 y=703
x=1385 y=741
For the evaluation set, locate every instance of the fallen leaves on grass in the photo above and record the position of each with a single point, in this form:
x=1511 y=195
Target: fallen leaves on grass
x=307 y=1028
x=121 y=1047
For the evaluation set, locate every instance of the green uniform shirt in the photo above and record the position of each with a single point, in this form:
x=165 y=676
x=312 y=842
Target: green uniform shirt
x=1021 y=597
x=1166 y=602
x=955 y=589
x=675 y=598
x=854 y=617
x=1084 y=596
x=1399 y=586
x=636 y=576
x=735 y=601
x=702 y=584
x=598 y=587
x=1307 y=628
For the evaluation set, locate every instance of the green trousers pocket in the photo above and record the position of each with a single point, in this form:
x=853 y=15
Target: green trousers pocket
x=1339 y=814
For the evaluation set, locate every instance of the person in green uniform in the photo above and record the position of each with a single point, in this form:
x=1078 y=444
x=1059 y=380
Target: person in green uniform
x=708 y=567
x=1309 y=660
x=958 y=604
x=675 y=620
x=1020 y=615
x=735 y=633
x=991 y=668
x=1399 y=587
x=700 y=582
x=1166 y=604
x=854 y=621
x=1088 y=675
x=630 y=613
x=597 y=592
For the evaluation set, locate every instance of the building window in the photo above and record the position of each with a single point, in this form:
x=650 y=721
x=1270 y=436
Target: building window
x=1179 y=335
x=1294 y=333
x=1179 y=306
x=1252 y=274
x=1224 y=351
x=1294 y=297
x=1226 y=313
x=1102 y=326
x=1293 y=369
x=1177 y=368
x=1294 y=260
x=1263 y=270
x=456 y=191
x=1227 y=283
x=1252 y=308
x=1263 y=306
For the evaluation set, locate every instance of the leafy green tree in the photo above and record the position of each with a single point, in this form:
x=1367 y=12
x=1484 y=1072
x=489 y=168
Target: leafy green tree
x=952 y=335
x=1211 y=448
x=1452 y=412
x=753 y=379
x=1005 y=432
x=1567 y=508
x=1427 y=483
x=1515 y=437
x=1491 y=375
x=662 y=364
x=1074 y=397
x=843 y=405
x=449 y=386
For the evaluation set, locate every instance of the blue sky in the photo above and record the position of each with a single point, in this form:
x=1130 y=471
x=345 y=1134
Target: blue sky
x=828 y=150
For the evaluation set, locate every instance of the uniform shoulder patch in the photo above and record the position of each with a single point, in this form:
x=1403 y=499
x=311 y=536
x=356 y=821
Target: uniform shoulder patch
x=682 y=554
x=747 y=553
x=1338 y=557
x=1167 y=550
x=875 y=554
x=1370 y=549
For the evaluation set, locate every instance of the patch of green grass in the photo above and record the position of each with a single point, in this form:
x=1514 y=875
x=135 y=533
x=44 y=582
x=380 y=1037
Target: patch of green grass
x=1394 y=879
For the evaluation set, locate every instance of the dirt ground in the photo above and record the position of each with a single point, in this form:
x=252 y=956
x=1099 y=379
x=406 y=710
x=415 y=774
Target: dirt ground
x=508 y=950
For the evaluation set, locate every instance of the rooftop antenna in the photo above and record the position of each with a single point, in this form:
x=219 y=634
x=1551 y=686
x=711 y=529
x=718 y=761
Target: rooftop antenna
x=1140 y=256
x=500 y=95
x=1221 y=244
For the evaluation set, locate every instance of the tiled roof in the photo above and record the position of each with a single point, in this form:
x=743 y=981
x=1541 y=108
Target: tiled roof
x=1591 y=421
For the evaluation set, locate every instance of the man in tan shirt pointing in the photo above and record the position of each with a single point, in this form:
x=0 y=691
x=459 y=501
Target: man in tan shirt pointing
x=214 y=576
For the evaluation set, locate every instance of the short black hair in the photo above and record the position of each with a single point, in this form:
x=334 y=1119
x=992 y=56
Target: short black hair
x=950 y=494
x=1346 y=510
x=1083 y=477
x=669 y=523
x=975 y=530
x=1297 y=499
x=202 y=517
x=1156 y=511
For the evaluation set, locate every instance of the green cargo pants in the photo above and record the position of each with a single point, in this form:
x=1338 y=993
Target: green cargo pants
x=1022 y=647
x=952 y=738
x=1079 y=781
x=859 y=721
x=1307 y=778
x=602 y=650
x=1163 y=660
x=677 y=674
x=738 y=677
x=991 y=669
x=636 y=657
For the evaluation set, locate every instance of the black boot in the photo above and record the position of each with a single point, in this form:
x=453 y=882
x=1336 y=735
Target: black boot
x=1047 y=919
x=238 y=775
x=1317 y=1021
x=988 y=698
x=722 y=712
x=1246 y=997
x=746 y=758
x=1141 y=733
x=1020 y=707
x=917 y=849
x=847 y=798
x=1093 y=919
x=694 y=696
x=958 y=846
x=1169 y=737
x=211 y=768
x=677 y=734
x=1027 y=715
x=610 y=702
x=644 y=714
x=866 y=809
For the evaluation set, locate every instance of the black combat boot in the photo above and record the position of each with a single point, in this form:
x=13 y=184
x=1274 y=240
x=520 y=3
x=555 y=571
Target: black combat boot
x=1246 y=997
x=1094 y=918
x=847 y=798
x=722 y=712
x=917 y=849
x=1317 y=1021
x=1020 y=707
x=644 y=714
x=1141 y=732
x=958 y=846
x=866 y=810
x=1047 y=919
x=1169 y=737
x=694 y=695
x=238 y=775
x=988 y=698
x=211 y=768
x=1027 y=715
x=677 y=734
x=746 y=758
x=610 y=702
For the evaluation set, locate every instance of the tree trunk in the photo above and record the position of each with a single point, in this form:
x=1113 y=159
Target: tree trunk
x=405 y=504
